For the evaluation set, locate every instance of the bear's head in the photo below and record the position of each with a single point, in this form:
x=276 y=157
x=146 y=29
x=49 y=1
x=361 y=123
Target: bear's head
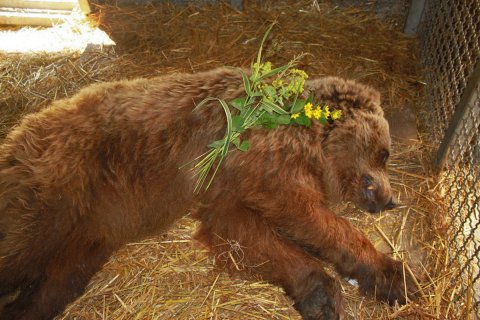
x=356 y=147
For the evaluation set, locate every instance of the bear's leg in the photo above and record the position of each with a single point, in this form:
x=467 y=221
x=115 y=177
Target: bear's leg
x=23 y=258
x=244 y=244
x=65 y=278
x=16 y=283
x=310 y=225
x=14 y=278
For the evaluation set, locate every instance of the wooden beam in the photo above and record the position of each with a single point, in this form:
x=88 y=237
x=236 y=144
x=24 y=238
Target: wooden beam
x=32 y=17
x=40 y=4
x=84 y=6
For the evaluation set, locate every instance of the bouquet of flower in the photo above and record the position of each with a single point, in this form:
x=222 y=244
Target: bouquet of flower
x=272 y=99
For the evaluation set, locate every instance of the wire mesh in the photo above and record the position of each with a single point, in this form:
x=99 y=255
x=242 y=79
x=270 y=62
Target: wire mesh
x=449 y=37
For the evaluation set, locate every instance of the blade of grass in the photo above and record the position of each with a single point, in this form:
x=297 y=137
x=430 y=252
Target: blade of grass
x=275 y=71
x=204 y=166
x=259 y=55
x=246 y=83
x=228 y=133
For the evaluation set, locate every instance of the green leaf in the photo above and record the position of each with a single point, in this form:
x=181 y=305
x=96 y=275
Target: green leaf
x=323 y=120
x=267 y=120
x=303 y=120
x=283 y=119
x=270 y=106
x=237 y=122
x=236 y=142
x=270 y=125
x=244 y=146
x=270 y=91
x=298 y=106
x=217 y=144
x=285 y=92
x=272 y=121
x=239 y=103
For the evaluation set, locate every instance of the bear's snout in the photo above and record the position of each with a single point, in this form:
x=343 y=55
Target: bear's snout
x=375 y=196
x=390 y=205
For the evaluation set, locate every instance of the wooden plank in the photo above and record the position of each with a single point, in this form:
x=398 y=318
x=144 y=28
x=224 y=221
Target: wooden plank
x=29 y=17
x=84 y=6
x=40 y=4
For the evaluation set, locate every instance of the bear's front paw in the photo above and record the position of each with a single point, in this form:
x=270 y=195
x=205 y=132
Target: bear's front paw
x=389 y=282
x=320 y=299
x=319 y=305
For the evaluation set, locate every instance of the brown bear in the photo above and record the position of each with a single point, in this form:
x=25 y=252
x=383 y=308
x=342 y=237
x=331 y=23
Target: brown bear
x=106 y=167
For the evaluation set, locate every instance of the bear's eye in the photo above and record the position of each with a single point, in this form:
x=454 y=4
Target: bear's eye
x=384 y=154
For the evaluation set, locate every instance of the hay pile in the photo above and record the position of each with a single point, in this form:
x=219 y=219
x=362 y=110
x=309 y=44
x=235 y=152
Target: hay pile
x=170 y=277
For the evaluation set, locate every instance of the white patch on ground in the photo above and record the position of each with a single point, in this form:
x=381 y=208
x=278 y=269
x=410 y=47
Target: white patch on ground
x=72 y=36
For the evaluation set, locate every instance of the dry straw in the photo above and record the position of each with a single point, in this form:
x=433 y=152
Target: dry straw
x=170 y=277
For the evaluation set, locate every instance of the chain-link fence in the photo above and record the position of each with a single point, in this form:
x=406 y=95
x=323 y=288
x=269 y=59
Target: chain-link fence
x=449 y=36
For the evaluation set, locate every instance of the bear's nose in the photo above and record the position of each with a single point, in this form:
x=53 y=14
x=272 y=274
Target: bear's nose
x=390 y=204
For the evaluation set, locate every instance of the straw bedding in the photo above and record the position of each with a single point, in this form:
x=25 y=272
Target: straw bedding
x=170 y=277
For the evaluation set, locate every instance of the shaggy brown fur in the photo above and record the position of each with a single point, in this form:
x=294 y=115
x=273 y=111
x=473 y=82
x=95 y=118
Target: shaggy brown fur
x=91 y=173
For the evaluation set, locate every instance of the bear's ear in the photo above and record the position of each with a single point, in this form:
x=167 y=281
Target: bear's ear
x=367 y=98
x=373 y=100
x=374 y=95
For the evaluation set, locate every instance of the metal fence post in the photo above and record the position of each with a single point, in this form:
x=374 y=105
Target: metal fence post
x=415 y=13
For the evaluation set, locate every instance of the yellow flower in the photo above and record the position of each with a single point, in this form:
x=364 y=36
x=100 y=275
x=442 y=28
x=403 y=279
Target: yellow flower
x=317 y=113
x=295 y=115
x=277 y=83
x=300 y=73
x=326 y=111
x=308 y=110
x=336 y=114
x=267 y=67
